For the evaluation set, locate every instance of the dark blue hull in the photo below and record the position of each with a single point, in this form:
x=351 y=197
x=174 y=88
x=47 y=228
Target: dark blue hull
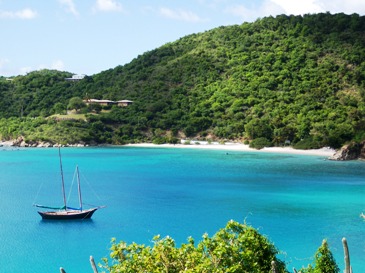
x=67 y=214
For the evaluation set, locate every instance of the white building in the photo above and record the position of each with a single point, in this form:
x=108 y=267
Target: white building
x=76 y=77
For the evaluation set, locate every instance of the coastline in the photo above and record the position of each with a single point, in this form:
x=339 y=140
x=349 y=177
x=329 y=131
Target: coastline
x=239 y=148
x=228 y=146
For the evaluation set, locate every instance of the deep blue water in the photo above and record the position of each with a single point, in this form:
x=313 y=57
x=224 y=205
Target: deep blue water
x=295 y=200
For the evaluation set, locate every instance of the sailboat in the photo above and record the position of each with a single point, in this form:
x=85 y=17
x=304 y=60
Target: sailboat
x=64 y=212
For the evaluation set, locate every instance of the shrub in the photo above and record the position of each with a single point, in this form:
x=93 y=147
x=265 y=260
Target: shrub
x=259 y=143
x=235 y=248
x=159 y=140
x=306 y=144
x=172 y=140
x=324 y=262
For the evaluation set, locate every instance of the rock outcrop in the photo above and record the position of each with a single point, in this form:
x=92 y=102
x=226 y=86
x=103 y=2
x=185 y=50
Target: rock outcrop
x=20 y=142
x=350 y=151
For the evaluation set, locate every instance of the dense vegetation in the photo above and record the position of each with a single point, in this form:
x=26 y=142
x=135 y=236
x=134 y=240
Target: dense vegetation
x=297 y=79
x=235 y=248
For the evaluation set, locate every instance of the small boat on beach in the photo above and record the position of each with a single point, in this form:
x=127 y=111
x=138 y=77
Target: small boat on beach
x=65 y=212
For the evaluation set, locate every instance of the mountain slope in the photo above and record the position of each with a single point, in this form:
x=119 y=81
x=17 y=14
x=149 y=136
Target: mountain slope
x=289 y=78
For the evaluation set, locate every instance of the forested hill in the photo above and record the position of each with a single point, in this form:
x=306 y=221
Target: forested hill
x=290 y=78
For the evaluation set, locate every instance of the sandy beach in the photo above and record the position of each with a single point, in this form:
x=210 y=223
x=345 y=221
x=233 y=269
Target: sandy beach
x=240 y=147
x=228 y=146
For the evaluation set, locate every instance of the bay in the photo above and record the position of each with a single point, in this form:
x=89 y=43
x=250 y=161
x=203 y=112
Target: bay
x=295 y=200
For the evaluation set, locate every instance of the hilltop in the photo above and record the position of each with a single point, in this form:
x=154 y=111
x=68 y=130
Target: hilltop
x=297 y=80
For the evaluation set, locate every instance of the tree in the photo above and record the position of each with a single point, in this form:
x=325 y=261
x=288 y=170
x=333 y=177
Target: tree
x=76 y=103
x=258 y=128
x=95 y=107
x=59 y=108
x=260 y=143
x=324 y=262
x=235 y=248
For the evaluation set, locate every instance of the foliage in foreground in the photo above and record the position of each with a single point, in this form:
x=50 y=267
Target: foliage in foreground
x=324 y=261
x=235 y=248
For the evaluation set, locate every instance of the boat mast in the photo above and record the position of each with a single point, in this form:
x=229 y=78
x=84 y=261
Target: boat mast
x=79 y=186
x=63 y=182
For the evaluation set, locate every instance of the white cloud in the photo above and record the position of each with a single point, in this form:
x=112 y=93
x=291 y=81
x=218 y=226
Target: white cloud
x=20 y=14
x=348 y=6
x=249 y=14
x=301 y=6
x=181 y=15
x=298 y=7
x=70 y=6
x=7 y=70
x=56 y=65
x=108 y=5
x=24 y=70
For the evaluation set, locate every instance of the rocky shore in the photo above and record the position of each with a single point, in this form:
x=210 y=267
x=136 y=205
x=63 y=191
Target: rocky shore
x=352 y=151
x=20 y=142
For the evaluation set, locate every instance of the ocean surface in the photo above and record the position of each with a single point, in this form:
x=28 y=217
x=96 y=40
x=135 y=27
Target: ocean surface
x=295 y=200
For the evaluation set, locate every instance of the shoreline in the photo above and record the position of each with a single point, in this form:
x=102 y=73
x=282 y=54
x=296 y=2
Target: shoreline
x=239 y=148
x=228 y=146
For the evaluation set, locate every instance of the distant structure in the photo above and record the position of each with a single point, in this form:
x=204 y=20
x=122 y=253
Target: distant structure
x=120 y=103
x=124 y=103
x=76 y=78
x=100 y=102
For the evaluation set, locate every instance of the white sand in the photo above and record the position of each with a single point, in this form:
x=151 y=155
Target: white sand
x=229 y=146
x=241 y=147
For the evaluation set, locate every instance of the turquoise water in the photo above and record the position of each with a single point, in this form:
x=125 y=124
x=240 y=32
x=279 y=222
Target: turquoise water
x=295 y=200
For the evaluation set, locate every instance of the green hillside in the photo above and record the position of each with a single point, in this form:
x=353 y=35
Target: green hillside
x=290 y=78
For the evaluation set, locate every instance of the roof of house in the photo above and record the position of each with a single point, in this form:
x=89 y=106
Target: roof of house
x=127 y=101
x=76 y=77
x=108 y=101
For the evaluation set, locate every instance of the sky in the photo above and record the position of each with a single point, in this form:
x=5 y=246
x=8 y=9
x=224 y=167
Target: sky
x=90 y=36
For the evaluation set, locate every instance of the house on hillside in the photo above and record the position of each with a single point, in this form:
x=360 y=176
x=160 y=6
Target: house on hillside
x=119 y=103
x=124 y=103
x=100 y=102
x=76 y=78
